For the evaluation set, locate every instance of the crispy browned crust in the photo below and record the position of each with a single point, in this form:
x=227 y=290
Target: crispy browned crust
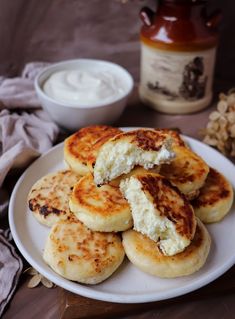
x=209 y=195
x=47 y=209
x=95 y=248
x=176 y=139
x=170 y=203
x=109 y=198
x=50 y=203
x=146 y=139
x=80 y=144
x=186 y=168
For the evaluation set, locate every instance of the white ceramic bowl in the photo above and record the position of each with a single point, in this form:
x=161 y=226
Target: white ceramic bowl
x=73 y=117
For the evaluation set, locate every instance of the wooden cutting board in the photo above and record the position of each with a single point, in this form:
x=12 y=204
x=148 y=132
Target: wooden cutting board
x=77 y=307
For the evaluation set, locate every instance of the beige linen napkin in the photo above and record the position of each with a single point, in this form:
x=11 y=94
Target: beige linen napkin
x=19 y=92
x=25 y=132
x=23 y=135
x=10 y=269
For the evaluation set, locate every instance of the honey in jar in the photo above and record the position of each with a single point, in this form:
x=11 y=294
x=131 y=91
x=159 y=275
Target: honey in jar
x=178 y=48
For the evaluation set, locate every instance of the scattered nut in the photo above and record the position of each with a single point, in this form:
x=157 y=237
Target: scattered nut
x=46 y=282
x=34 y=281
x=37 y=278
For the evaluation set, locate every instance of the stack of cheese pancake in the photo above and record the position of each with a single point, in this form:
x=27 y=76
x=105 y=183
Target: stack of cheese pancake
x=142 y=193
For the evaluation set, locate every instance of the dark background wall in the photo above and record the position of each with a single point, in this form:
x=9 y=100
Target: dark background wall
x=52 y=30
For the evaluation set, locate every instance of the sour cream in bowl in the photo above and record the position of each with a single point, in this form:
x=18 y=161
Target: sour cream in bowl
x=82 y=92
x=84 y=87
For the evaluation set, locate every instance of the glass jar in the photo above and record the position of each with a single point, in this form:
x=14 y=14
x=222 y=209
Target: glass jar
x=178 y=47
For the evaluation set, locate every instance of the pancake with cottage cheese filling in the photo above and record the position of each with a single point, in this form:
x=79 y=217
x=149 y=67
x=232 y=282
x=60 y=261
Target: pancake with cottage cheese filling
x=187 y=171
x=77 y=253
x=176 y=139
x=79 y=146
x=160 y=211
x=145 y=254
x=48 y=199
x=100 y=208
x=215 y=199
x=120 y=154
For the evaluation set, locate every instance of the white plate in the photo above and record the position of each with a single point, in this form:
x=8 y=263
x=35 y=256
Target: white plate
x=128 y=284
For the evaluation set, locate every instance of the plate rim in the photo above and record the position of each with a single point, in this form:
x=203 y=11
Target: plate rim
x=86 y=291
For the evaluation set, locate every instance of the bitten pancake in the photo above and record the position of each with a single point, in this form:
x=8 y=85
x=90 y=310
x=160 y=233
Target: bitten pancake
x=48 y=199
x=145 y=254
x=187 y=171
x=79 y=146
x=121 y=153
x=215 y=199
x=76 y=253
x=100 y=208
x=160 y=211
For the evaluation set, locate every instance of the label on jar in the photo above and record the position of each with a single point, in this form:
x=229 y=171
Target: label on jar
x=181 y=80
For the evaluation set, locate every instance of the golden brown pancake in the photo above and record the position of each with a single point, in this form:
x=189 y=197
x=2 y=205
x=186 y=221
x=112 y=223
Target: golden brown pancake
x=145 y=254
x=48 y=199
x=160 y=211
x=79 y=146
x=120 y=154
x=187 y=171
x=77 y=253
x=215 y=199
x=100 y=208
